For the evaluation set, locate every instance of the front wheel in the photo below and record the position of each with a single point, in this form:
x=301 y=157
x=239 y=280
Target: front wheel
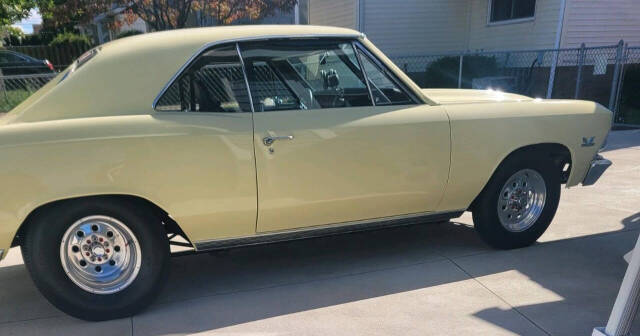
x=97 y=260
x=519 y=202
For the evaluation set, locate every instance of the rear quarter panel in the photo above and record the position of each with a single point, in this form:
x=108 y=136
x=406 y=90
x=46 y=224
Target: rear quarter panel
x=483 y=135
x=197 y=167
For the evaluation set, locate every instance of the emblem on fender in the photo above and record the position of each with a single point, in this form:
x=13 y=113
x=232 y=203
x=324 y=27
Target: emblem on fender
x=588 y=141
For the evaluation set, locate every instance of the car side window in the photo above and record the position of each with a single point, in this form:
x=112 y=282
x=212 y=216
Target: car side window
x=214 y=82
x=383 y=89
x=304 y=74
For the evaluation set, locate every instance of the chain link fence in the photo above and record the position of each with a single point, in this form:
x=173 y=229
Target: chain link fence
x=609 y=75
x=14 y=89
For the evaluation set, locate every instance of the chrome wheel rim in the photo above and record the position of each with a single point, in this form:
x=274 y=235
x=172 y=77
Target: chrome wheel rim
x=100 y=254
x=521 y=200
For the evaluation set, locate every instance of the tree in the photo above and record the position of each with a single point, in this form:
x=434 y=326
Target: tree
x=12 y=11
x=172 y=14
x=63 y=15
x=228 y=11
x=163 y=14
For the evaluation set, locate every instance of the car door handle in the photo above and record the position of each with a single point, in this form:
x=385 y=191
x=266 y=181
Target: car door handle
x=269 y=140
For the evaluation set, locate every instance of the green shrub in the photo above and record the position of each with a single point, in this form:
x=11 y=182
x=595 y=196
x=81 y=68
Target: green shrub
x=70 y=39
x=128 y=33
x=12 y=35
x=443 y=73
x=629 y=110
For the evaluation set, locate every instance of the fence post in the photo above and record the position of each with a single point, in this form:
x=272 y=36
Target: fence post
x=616 y=75
x=625 y=59
x=460 y=71
x=552 y=73
x=581 y=57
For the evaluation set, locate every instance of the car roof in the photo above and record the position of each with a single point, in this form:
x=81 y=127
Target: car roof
x=127 y=74
x=201 y=36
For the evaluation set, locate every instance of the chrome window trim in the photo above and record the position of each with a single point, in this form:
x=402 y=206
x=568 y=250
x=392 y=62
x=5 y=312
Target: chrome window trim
x=244 y=74
x=364 y=72
x=397 y=81
x=236 y=41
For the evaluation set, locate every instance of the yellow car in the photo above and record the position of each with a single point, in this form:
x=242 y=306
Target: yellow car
x=238 y=136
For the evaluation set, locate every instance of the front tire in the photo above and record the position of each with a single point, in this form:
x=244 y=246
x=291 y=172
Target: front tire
x=519 y=202
x=97 y=259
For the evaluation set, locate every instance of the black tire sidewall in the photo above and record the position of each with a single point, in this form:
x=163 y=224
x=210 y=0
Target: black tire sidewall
x=485 y=212
x=41 y=252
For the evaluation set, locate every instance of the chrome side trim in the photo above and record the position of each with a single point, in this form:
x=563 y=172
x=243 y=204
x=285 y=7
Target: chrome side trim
x=596 y=168
x=327 y=230
x=236 y=40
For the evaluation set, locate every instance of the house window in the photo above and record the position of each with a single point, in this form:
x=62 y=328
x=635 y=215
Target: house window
x=505 y=10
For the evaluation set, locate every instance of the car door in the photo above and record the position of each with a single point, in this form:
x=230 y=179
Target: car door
x=325 y=152
x=206 y=153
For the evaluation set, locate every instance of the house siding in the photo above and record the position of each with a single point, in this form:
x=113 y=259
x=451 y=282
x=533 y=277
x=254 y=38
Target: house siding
x=339 y=13
x=539 y=33
x=416 y=26
x=597 y=22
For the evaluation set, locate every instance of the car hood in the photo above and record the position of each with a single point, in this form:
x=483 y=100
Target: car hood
x=465 y=96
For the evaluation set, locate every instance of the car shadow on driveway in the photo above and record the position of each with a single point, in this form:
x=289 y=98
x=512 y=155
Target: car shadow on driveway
x=436 y=273
x=580 y=278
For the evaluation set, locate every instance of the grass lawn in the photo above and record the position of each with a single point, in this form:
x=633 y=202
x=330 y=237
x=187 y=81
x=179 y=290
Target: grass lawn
x=10 y=99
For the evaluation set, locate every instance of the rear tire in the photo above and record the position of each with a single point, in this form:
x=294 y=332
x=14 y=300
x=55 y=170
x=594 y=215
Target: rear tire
x=71 y=261
x=519 y=202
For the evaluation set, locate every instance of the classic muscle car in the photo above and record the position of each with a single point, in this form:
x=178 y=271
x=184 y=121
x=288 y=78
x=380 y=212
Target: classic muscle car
x=249 y=135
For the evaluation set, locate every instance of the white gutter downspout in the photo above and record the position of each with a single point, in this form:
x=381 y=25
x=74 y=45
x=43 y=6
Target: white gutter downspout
x=554 y=64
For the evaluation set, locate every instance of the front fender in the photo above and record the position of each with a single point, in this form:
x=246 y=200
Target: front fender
x=483 y=135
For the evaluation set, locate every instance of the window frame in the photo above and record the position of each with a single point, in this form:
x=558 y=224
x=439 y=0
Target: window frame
x=509 y=21
x=206 y=48
x=387 y=72
x=341 y=40
x=352 y=38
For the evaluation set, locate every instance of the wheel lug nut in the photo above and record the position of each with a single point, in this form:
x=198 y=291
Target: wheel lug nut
x=98 y=269
x=109 y=234
x=80 y=234
x=106 y=243
x=87 y=254
x=116 y=248
x=101 y=239
x=107 y=250
x=83 y=263
x=75 y=249
x=94 y=227
x=88 y=241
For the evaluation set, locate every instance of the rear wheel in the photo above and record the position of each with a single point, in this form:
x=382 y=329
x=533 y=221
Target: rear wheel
x=519 y=202
x=97 y=260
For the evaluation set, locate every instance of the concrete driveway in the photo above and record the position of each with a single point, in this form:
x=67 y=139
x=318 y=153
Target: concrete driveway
x=437 y=279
